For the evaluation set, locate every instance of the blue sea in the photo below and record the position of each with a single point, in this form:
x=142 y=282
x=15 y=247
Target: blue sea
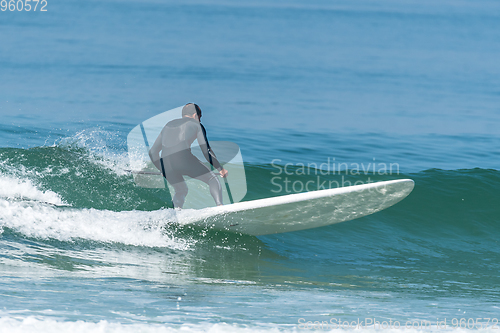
x=413 y=84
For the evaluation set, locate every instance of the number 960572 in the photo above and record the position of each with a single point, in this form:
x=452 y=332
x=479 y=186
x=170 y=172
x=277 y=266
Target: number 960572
x=23 y=5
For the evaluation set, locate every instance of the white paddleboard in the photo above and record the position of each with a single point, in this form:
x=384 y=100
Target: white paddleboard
x=299 y=211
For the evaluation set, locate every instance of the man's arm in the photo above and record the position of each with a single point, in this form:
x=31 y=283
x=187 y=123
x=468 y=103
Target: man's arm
x=207 y=151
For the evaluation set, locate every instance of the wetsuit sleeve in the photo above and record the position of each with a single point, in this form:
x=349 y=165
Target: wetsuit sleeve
x=207 y=151
x=154 y=152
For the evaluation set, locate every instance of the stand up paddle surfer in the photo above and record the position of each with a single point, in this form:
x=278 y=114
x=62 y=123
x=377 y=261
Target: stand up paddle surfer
x=176 y=159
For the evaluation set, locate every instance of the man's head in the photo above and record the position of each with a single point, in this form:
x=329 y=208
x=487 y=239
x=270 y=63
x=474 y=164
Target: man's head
x=191 y=110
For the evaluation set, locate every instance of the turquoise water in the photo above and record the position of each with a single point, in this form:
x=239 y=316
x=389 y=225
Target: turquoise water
x=414 y=85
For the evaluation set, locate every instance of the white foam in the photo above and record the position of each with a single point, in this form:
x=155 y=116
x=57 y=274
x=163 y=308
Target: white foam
x=138 y=228
x=33 y=324
x=13 y=188
x=96 y=142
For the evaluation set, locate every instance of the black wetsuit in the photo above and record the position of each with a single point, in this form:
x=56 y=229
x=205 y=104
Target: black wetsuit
x=176 y=159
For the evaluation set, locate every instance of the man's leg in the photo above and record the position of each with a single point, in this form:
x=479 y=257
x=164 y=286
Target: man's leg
x=211 y=179
x=199 y=171
x=177 y=181
x=181 y=190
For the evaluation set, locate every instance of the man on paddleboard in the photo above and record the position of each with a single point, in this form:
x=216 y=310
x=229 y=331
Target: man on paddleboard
x=176 y=159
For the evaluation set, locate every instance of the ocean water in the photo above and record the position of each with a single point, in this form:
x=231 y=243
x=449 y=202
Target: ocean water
x=392 y=89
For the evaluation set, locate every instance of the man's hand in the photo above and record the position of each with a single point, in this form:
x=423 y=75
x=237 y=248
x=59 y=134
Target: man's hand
x=223 y=173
